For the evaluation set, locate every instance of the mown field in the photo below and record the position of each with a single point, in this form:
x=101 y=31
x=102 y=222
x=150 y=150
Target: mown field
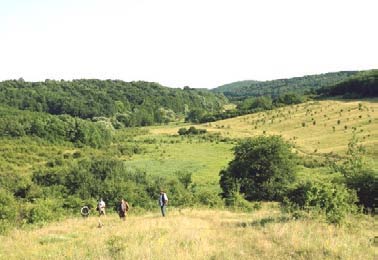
x=194 y=234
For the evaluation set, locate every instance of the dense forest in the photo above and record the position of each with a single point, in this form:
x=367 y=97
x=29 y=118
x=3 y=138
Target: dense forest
x=274 y=88
x=127 y=103
x=362 y=85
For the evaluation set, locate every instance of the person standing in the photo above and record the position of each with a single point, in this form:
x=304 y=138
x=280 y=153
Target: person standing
x=163 y=201
x=101 y=207
x=123 y=209
x=101 y=211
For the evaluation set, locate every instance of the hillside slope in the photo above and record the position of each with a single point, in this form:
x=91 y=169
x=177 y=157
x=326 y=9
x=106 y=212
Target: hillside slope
x=315 y=127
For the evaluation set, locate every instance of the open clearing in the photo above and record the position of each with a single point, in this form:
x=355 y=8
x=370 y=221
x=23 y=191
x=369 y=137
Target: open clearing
x=194 y=234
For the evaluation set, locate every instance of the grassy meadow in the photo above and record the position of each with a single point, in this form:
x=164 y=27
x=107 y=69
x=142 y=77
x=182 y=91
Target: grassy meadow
x=203 y=159
x=194 y=234
x=316 y=128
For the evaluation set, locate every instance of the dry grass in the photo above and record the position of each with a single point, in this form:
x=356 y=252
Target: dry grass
x=194 y=234
x=321 y=132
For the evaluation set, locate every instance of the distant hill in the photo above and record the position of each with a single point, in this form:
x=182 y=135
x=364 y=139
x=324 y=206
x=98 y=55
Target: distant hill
x=133 y=103
x=274 y=88
x=361 y=85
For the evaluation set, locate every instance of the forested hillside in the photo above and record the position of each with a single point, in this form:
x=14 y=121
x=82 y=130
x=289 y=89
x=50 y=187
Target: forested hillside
x=274 y=88
x=362 y=85
x=128 y=103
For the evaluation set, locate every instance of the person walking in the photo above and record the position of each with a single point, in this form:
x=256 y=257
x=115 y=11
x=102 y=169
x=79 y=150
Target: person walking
x=163 y=201
x=123 y=209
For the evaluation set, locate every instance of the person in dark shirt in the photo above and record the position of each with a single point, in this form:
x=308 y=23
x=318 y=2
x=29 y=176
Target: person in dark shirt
x=163 y=201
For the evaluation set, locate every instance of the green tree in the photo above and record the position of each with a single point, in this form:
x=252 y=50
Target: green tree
x=262 y=169
x=258 y=103
x=195 y=115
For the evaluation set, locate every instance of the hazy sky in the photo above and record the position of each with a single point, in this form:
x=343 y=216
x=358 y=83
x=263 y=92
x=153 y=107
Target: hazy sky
x=196 y=43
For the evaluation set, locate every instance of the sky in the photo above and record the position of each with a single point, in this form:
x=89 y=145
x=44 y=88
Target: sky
x=196 y=43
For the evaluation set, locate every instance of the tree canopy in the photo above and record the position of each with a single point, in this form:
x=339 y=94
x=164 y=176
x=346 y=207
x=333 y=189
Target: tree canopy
x=364 y=84
x=262 y=169
x=134 y=103
x=274 y=88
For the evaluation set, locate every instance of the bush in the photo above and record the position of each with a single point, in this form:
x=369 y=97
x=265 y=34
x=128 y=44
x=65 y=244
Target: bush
x=366 y=185
x=44 y=211
x=8 y=210
x=358 y=174
x=238 y=202
x=207 y=198
x=182 y=131
x=181 y=195
x=191 y=131
x=334 y=200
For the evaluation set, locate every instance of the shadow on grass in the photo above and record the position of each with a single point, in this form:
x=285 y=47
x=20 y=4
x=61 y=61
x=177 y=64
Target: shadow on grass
x=263 y=222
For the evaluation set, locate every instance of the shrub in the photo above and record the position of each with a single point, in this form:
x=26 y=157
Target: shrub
x=8 y=210
x=44 y=211
x=185 y=178
x=208 y=198
x=191 y=131
x=238 y=202
x=334 y=200
x=357 y=173
x=182 y=131
x=366 y=185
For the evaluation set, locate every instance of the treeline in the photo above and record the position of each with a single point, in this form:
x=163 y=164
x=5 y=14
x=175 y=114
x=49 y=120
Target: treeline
x=362 y=85
x=15 y=123
x=130 y=103
x=247 y=106
x=274 y=88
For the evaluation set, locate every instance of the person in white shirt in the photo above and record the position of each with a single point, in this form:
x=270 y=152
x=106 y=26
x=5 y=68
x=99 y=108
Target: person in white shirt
x=101 y=207
x=163 y=201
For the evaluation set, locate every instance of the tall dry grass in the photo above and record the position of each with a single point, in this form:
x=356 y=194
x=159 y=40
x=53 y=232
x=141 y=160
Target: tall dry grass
x=194 y=234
